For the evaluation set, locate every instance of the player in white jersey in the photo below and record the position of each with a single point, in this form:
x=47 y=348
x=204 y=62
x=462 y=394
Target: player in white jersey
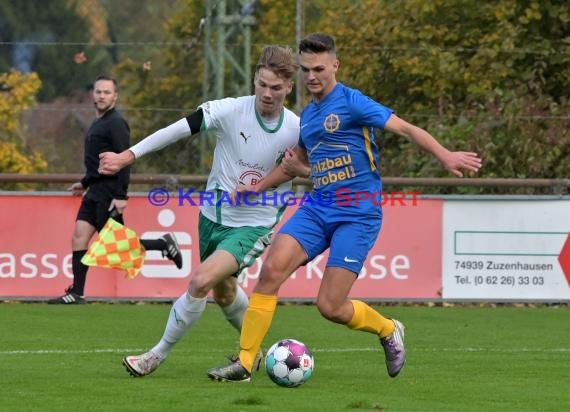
x=252 y=134
x=247 y=149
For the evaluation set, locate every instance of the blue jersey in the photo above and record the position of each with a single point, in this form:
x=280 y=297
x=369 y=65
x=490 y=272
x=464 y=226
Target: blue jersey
x=337 y=134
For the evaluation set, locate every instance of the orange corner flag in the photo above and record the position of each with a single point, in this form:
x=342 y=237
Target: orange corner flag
x=116 y=247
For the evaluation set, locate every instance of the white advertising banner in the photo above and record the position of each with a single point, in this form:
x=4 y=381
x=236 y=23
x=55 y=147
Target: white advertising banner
x=506 y=249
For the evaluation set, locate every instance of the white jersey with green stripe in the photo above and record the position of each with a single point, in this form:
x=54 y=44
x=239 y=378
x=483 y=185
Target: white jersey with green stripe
x=247 y=149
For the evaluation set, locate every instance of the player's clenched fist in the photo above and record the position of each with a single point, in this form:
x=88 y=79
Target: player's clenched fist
x=110 y=163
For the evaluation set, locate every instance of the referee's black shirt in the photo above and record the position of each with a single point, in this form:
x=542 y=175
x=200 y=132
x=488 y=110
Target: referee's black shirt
x=109 y=133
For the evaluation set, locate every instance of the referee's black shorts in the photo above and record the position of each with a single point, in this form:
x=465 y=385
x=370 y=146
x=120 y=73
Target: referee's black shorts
x=95 y=212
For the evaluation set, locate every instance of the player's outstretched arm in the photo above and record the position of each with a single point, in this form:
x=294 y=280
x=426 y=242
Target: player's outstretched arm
x=110 y=163
x=454 y=162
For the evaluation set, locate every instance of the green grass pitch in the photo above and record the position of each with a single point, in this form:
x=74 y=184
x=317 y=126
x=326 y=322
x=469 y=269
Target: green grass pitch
x=55 y=358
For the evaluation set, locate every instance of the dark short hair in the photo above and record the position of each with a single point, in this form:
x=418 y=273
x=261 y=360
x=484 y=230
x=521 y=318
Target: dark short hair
x=280 y=60
x=317 y=43
x=104 y=77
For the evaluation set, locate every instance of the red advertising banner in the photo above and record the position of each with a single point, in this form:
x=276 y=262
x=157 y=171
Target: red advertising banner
x=35 y=253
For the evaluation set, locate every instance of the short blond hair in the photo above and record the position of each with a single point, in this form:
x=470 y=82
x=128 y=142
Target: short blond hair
x=280 y=60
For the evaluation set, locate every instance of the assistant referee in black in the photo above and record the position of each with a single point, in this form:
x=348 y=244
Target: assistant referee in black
x=104 y=196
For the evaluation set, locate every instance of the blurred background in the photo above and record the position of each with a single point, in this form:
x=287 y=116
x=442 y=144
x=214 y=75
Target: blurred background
x=491 y=77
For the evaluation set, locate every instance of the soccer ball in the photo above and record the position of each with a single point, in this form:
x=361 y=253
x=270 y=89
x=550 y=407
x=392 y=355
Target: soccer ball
x=289 y=363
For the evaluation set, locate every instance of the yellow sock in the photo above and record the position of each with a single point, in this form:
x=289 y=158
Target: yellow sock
x=256 y=323
x=368 y=320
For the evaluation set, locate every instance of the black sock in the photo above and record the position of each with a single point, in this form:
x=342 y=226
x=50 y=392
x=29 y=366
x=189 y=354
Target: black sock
x=79 y=272
x=153 y=244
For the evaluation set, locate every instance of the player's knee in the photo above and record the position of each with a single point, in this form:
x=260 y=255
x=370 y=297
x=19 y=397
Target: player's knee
x=224 y=298
x=269 y=266
x=200 y=284
x=79 y=241
x=225 y=292
x=329 y=311
x=271 y=271
x=268 y=285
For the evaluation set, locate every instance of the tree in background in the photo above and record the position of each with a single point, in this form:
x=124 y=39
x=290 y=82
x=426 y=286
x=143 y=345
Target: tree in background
x=168 y=81
x=51 y=38
x=490 y=76
x=17 y=93
x=68 y=43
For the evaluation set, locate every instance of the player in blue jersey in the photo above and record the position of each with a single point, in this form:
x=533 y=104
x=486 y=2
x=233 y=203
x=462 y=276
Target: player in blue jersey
x=336 y=141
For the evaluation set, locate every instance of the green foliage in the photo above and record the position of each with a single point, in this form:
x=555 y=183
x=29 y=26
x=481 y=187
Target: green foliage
x=17 y=92
x=490 y=77
x=33 y=26
x=168 y=80
x=485 y=77
x=14 y=160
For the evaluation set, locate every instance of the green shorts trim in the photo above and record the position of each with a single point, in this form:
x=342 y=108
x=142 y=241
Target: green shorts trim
x=245 y=243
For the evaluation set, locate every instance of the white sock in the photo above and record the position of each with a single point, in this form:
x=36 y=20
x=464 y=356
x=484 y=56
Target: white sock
x=234 y=311
x=183 y=315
